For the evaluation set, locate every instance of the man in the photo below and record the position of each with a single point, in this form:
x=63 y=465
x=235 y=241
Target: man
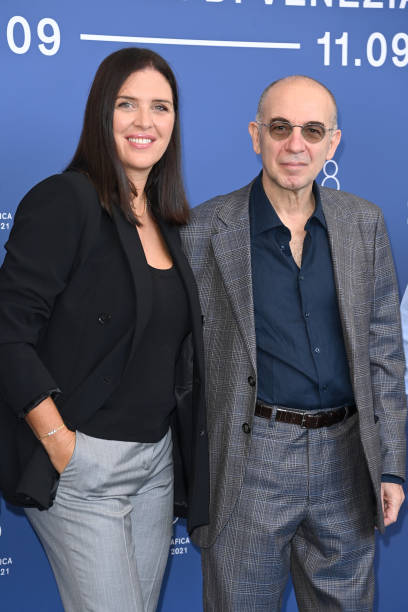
x=305 y=396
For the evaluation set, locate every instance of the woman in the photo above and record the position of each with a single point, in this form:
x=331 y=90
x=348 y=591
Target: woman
x=100 y=346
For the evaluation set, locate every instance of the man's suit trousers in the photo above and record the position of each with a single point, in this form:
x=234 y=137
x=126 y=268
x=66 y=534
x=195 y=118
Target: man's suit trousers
x=306 y=507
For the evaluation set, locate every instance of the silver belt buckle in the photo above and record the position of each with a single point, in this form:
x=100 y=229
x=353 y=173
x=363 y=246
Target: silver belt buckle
x=303 y=423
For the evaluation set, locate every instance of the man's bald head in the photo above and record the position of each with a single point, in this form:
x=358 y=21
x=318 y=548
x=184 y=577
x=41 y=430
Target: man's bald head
x=293 y=79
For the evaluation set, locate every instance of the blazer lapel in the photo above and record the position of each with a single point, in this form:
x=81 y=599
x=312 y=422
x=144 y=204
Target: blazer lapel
x=338 y=229
x=141 y=278
x=232 y=251
x=171 y=236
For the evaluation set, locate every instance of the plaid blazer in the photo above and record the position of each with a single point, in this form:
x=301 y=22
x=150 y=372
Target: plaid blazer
x=217 y=244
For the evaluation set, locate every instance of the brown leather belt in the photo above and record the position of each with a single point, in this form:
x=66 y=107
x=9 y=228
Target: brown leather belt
x=305 y=419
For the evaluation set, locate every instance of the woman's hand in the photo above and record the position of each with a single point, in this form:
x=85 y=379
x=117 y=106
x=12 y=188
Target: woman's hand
x=60 y=447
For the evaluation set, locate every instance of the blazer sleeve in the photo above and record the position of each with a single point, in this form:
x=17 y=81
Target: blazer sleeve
x=51 y=225
x=387 y=361
x=404 y=319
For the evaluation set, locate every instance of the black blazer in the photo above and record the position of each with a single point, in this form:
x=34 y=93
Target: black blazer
x=71 y=283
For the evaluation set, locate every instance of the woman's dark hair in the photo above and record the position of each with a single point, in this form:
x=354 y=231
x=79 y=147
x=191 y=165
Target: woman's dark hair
x=96 y=153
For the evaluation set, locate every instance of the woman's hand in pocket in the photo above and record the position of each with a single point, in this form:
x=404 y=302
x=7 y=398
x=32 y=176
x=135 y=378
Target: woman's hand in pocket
x=48 y=426
x=60 y=448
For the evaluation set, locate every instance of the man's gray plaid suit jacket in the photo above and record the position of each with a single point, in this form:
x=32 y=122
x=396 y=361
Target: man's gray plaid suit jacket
x=217 y=244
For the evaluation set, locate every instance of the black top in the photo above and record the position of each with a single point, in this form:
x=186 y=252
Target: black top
x=139 y=410
x=301 y=357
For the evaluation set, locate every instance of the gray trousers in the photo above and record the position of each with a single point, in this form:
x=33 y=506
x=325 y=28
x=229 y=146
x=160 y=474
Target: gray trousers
x=107 y=536
x=306 y=508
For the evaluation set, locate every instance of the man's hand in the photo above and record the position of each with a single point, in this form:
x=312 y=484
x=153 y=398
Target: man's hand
x=392 y=496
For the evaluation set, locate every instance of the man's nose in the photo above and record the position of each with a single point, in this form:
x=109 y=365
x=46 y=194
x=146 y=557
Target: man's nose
x=296 y=142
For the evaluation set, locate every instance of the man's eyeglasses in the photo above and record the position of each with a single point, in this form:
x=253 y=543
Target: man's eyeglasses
x=311 y=132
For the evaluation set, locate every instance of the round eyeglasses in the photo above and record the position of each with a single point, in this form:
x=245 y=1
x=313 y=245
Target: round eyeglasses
x=312 y=132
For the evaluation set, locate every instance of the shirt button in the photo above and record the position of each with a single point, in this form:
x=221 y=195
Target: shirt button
x=317 y=350
x=282 y=246
x=307 y=315
x=251 y=381
x=301 y=277
x=324 y=388
x=246 y=428
x=104 y=317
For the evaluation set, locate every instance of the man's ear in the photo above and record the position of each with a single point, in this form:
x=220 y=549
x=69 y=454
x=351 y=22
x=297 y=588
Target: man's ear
x=334 y=143
x=254 y=132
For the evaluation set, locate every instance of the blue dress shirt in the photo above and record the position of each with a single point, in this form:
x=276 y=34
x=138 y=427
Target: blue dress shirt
x=301 y=359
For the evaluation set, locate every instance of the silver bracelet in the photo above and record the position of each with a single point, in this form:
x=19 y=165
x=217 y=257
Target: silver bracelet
x=52 y=432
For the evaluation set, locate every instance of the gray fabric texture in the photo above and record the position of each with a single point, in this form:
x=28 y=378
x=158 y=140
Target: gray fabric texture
x=301 y=509
x=217 y=244
x=107 y=536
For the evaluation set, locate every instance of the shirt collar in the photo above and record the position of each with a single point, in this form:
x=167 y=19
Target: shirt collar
x=263 y=215
x=318 y=211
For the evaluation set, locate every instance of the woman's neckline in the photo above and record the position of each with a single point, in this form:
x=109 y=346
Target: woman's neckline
x=160 y=269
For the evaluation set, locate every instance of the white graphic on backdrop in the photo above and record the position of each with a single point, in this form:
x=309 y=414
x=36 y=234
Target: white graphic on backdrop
x=6 y=220
x=365 y=4
x=376 y=50
x=189 y=41
x=5 y=561
x=179 y=545
x=330 y=170
x=18 y=29
x=404 y=318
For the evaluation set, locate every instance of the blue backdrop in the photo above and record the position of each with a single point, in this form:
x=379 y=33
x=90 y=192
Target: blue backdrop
x=223 y=52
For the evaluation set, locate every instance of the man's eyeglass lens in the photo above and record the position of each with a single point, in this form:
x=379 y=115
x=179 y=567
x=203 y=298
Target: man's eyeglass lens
x=311 y=132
